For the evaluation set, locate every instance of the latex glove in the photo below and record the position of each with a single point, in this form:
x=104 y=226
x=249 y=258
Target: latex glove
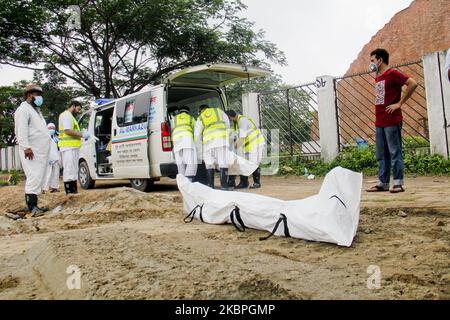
x=86 y=135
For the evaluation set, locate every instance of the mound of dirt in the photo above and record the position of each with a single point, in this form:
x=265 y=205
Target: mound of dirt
x=89 y=209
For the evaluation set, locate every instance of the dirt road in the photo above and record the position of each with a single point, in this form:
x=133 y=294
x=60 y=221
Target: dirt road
x=133 y=245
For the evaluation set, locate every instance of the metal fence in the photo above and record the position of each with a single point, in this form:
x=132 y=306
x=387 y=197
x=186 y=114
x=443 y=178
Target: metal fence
x=235 y=105
x=294 y=112
x=355 y=100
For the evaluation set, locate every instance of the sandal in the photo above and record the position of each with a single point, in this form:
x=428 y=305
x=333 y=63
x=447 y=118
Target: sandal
x=397 y=189
x=377 y=189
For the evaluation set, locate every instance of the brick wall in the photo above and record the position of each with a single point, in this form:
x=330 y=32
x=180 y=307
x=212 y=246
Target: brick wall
x=422 y=28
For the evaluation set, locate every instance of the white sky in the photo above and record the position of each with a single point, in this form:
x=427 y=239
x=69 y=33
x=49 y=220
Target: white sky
x=319 y=37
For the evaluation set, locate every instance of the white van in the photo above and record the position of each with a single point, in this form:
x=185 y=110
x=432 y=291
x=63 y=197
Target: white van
x=131 y=136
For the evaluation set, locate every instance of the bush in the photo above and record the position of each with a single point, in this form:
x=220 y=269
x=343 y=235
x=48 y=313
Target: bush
x=364 y=160
x=426 y=164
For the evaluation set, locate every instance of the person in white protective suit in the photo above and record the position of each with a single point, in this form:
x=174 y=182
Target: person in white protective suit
x=34 y=145
x=183 y=140
x=251 y=143
x=70 y=139
x=52 y=178
x=233 y=138
x=211 y=136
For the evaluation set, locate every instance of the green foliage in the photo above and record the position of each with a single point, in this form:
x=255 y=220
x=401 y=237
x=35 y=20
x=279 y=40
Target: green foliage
x=412 y=142
x=4 y=183
x=56 y=96
x=10 y=98
x=424 y=164
x=365 y=161
x=121 y=46
x=15 y=176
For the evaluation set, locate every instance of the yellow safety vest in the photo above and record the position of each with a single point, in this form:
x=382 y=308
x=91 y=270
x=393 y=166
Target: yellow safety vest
x=253 y=138
x=183 y=126
x=213 y=124
x=64 y=139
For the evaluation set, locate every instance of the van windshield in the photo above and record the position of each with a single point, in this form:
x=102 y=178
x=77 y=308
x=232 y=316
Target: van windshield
x=193 y=98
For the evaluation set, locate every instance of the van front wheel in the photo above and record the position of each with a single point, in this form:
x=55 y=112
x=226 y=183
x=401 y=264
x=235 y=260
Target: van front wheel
x=84 y=176
x=142 y=184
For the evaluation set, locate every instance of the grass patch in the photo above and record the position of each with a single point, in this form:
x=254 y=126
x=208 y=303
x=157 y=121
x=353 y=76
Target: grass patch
x=364 y=160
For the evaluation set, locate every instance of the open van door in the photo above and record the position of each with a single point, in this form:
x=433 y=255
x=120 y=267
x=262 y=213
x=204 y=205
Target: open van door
x=130 y=136
x=214 y=75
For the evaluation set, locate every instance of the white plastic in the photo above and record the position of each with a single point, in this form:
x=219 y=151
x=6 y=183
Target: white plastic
x=330 y=216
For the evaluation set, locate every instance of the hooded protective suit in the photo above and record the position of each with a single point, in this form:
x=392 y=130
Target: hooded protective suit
x=52 y=178
x=31 y=132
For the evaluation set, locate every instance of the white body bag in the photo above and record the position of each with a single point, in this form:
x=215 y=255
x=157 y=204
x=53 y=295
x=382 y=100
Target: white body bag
x=330 y=216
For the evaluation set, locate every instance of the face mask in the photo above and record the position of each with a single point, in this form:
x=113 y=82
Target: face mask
x=51 y=131
x=373 y=67
x=38 y=101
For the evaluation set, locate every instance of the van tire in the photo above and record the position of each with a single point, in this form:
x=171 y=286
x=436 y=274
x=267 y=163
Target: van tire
x=143 y=185
x=84 y=176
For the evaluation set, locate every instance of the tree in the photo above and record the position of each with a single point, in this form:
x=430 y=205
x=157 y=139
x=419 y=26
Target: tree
x=56 y=96
x=116 y=47
x=282 y=106
x=10 y=98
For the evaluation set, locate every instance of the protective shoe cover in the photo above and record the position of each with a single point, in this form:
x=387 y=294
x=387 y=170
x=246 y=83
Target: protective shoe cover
x=330 y=216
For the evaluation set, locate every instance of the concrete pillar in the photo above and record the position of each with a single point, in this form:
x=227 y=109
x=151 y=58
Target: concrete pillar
x=436 y=96
x=328 y=122
x=446 y=96
x=250 y=107
x=3 y=159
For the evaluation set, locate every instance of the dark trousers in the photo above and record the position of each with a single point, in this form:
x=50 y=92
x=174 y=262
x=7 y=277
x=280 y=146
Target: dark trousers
x=389 y=155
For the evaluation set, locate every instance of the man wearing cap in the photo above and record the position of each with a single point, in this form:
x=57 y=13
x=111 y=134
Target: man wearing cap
x=183 y=143
x=34 y=145
x=69 y=144
x=211 y=136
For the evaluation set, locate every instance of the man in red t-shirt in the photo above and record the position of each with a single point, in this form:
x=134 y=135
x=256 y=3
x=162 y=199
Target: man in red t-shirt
x=388 y=120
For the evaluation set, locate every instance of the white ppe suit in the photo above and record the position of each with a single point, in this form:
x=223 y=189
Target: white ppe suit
x=31 y=132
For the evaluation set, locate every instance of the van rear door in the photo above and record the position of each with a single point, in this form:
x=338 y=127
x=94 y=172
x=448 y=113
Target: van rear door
x=214 y=75
x=130 y=137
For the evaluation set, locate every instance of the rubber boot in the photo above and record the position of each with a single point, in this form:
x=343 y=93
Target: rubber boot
x=224 y=180
x=210 y=177
x=243 y=184
x=74 y=186
x=202 y=175
x=29 y=199
x=232 y=181
x=32 y=200
x=256 y=179
x=67 y=187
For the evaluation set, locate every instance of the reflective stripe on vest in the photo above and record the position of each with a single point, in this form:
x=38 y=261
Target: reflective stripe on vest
x=213 y=125
x=64 y=139
x=183 y=126
x=253 y=138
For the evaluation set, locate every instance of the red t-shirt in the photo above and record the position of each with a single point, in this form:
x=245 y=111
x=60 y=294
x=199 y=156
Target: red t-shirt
x=388 y=91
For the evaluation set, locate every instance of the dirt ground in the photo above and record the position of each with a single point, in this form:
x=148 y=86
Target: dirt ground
x=133 y=245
